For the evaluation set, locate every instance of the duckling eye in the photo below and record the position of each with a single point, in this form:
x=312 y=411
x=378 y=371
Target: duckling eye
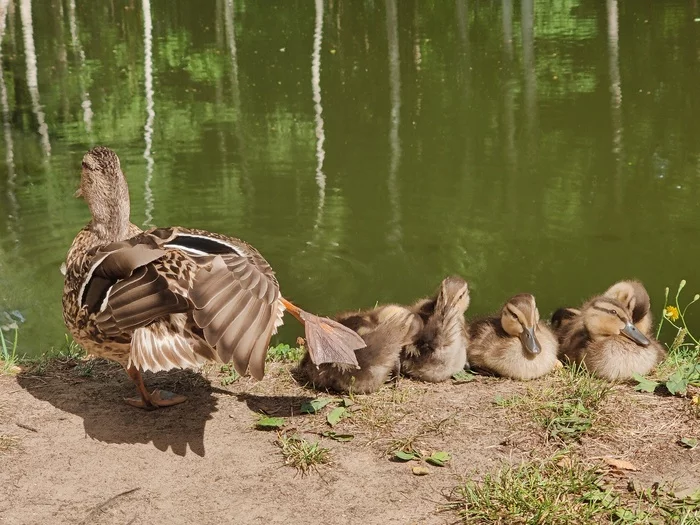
x=614 y=312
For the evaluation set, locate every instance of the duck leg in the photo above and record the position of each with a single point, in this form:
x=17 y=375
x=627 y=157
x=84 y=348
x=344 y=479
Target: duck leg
x=155 y=399
x=327 y=341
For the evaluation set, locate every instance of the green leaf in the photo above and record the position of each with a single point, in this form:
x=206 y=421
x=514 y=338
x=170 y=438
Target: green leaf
x=463 y=376
x=644 y=384
x=439 y=458
x=626 y=515
x=269 y=423
x=677 y=384
x=313 y=406
x=346 y=402
x=338 y=437
x=689 y=442
x=336 y=415
x=405 y=456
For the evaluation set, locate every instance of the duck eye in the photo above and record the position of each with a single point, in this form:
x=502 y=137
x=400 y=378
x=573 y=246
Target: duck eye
x=614 y=312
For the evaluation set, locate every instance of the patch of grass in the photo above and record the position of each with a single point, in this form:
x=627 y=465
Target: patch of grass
x=380 y=411
x=567 y=409
x=302 y=454
x=561 y=491
x=85 y=368
x=70 y=350
x=228 y=375
x=8 y=344
x=7 y=443
x=285 y=353
x=69 y=354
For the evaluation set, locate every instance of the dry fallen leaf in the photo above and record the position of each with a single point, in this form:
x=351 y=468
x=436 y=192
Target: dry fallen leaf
x=420 y=471
x=620 y=464
x=565 y=462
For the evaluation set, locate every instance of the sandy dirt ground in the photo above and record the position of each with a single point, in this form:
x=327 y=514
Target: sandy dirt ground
x=78 y=455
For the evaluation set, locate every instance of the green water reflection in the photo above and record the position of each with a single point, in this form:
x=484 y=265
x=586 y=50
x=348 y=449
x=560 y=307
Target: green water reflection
x=366 y=148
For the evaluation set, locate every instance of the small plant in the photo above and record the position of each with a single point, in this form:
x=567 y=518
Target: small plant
x=9 y=351
x=285 y=353
x=301 y=453
x=86 y=368
x=674 y=315
x=9 y=323
x=681 y=368
x=71 y=351
x=228 y=375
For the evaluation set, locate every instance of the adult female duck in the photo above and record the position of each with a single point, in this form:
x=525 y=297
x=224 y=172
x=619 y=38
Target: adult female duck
x=174 y=297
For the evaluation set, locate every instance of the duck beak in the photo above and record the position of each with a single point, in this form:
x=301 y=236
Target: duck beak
x=78 y=193
x=529 y=341
x=632 y=332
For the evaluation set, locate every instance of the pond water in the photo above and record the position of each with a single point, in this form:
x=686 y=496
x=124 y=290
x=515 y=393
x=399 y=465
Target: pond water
x=367 y=149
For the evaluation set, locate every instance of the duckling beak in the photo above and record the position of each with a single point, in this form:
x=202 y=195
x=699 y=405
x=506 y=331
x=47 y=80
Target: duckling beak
x=632 y=332
x=78 y=193
x=527 y=337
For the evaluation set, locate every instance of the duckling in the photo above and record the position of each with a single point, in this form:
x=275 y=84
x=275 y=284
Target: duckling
x=635 y=298
x=515 y=344
x=385 y=330
x=561 y=320
x=604 y=338
x=440 y=350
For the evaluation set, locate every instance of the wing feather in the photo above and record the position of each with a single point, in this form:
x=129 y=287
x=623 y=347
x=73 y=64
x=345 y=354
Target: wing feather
x=237 y=308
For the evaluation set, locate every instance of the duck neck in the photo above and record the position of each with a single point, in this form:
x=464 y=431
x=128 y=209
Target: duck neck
x=452 y=318
x=110 y=220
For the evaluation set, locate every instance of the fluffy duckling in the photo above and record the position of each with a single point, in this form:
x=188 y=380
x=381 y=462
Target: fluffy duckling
x=635 y=298
x=561 y=320
x=515 y=344
x=385 y=331
x=604 y=338
x=441 y=348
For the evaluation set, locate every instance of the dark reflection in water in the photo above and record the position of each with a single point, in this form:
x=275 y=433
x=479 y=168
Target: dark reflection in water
x=367 y=149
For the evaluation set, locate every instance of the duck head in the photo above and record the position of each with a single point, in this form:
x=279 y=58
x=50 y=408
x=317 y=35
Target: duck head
x=633 y=296
x=104 y=188
x=519 y=318
x=453 y=295
x=604 y=317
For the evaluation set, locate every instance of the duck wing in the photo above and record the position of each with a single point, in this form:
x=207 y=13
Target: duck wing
x=235 y=296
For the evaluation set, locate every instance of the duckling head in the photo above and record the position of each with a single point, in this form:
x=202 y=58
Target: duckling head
x=633 y=296
x=104 y=188
x=453 y=295
x=605 y=317
x=519 y=318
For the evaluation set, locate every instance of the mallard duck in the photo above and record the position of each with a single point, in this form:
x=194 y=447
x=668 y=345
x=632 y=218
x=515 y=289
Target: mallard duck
x=440 y=350
x=385 y=330
x=174 y=297
x=514 y=344
x=605 y=340
x=635 y=298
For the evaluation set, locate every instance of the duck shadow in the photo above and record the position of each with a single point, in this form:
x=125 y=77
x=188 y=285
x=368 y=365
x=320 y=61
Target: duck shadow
x=94 y=390
x=282 y=406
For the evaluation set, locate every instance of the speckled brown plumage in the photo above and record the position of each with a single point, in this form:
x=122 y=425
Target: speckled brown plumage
x=174 y=297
